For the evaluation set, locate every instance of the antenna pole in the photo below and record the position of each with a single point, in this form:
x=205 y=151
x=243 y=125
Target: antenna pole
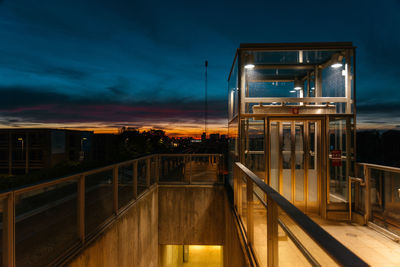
x=205 y=101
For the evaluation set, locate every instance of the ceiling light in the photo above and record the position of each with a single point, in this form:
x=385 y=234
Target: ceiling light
x=292 y=91
x=249 y=66
x=249 y=61
x=336 y=65
x=298 y=85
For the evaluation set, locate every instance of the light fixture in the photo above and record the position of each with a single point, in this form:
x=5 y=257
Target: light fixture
x=298 y=85
x=249 y=66
x=337 y=62
x=292 y=91
x=336 y=65
x=249 y=61
x=312 y=88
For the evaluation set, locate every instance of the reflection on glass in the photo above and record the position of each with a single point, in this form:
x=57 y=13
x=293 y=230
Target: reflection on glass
x=287 y=161
x=312 y=163
x=274 y=155
x=299 y=166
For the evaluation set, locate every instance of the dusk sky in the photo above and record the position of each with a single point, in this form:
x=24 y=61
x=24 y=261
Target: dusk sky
x=106 y=64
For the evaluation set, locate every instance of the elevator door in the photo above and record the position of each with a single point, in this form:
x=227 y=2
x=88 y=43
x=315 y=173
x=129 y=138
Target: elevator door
x=294 y=161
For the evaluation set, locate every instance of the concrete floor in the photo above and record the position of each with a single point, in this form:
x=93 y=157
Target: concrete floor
x=368 y=244
x=371 y=246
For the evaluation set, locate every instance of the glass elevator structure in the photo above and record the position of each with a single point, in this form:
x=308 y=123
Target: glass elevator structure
x=292 y=121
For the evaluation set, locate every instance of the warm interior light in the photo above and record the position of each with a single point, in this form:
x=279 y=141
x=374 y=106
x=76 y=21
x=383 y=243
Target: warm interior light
x=336 y=65
x=298 y=85
x=249 y=66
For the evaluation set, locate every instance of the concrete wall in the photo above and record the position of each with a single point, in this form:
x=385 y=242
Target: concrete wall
x=131 y=241
x=167 y=215
x=191 y=215
x=199 y=216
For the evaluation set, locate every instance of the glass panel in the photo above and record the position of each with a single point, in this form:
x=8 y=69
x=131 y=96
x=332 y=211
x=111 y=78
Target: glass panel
x=283 y=74
x=173 y=169
x=153 y=170
x=254 y=146
x=338 y=183
x=385 y=198
x=260 y=229
x=274 y=155
x=299 y=165
x=125 y=185
x=287 y=161
x=243 y=199
x=141 y=175
x=2 y=207
x=98 y=200
x=289 y=254
x=204 y=169
x=46 y=223
x=312 y=163
x=233 y=98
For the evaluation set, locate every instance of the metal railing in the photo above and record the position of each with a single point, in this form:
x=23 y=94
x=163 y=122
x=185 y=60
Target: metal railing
x=46 y=223
x=376 y=195
x=279 y=233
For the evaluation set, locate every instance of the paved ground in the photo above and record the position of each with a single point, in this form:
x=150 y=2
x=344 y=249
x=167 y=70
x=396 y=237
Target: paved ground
x=371 y=246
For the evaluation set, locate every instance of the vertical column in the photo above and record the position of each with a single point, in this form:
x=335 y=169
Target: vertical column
x=81 y=208
x=27 y=152
x=250 y=208
x=157 y=172
x=348 y=81
x=272 y=233
x=148 y=172
x=190 y=169
x=367 y=172
x=267 y=151
x=115 y=189
x=9 y=231
x=235 y=187
x=135 y=181
x=10 y=141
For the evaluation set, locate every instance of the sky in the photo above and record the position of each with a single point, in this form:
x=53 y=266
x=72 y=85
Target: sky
x=105 y=64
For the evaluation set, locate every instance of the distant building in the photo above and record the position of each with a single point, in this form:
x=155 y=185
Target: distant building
x=204 y=137
x=23 y=150
x=214 y=137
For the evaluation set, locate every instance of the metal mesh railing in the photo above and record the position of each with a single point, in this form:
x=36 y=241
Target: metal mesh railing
x=43 y=224
x=278 y=233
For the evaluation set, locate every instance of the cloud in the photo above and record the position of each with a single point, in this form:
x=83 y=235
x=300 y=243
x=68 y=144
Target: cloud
x=47 y=106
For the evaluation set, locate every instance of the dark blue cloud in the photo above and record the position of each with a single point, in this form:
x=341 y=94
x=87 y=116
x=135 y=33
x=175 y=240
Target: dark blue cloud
x=154 y=51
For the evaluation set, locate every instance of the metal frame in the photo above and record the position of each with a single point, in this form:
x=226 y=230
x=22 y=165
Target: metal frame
x=336 y=251
x=9 y=201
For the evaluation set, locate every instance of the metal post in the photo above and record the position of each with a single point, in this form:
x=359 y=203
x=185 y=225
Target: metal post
x=190 y=169
x=250 y=217
x=157 y=172
x=27 y=153
x=235 y=187
x=10 y=140
x=9 y=231
x=367 y=172
x=272 y=233
x=148 y=172
x=115 y=188
x=135 y=181
x=81 y=208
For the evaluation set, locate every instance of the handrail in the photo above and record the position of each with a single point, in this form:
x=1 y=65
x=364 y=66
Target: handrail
x=342 y=255
x=380 y=167
x=9 y=199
